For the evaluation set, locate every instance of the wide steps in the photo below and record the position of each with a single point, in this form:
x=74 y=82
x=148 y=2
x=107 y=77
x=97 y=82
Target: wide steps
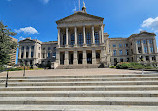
x=128 y=92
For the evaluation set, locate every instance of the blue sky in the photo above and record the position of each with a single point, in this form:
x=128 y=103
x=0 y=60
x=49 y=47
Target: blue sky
x=36 y=18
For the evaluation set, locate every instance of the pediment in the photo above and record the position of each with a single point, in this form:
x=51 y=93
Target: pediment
x=27 y=40
x=80 y=16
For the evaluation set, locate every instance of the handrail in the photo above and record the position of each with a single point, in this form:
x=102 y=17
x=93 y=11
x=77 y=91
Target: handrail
x=6 y=84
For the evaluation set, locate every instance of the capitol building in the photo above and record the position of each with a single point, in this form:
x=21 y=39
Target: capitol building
x=82 y=43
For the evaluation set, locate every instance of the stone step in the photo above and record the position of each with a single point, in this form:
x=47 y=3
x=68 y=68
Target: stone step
x=82 y=88
x=76 y=108
x=80 y=83
x=138 y=101
x=84 y=79
x=90 y=76
x=79 y=94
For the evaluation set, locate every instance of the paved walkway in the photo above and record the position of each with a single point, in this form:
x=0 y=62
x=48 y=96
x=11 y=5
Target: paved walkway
x=76 y=72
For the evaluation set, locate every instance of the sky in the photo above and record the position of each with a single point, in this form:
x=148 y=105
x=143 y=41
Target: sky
x=37 y=18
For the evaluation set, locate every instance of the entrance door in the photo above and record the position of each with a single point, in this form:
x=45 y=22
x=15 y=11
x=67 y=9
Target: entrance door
x=89 y=58
x=62 y=57
x=71 y=59
x=80 y=58
x=115 y=61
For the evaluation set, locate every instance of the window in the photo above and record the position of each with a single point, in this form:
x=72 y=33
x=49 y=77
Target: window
x=114 y=52
x=147 y=58
x=27 y=54
x=72 y=39
x=31 y=54
x=145 y=49
x=120 y=52
x=127 y=53
x=88 y=38
x=54 y=55
x=48 y=55
x=139 y=49
x=121 y=59
x=138 y=41
x=127 y=59
x=150 y=41
x=97 y=55
x=27 y=47
x=49 y=48
x=64 y=39
x=43 y=55
x=144 y=41
x=22 y=54
x=120 y=45
x=153 y=58
x=44 y=48
x=96 y=35
x=126 y=45
x=32 y=47
x=54 y=48
x=22 y=47
x=131 y=51
x=114 y=45
x=80 y=38
x=151 y=49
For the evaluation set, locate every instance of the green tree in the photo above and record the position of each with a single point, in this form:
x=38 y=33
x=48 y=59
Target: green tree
x=6 y=44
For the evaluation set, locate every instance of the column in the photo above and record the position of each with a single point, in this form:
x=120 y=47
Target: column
x=34 y=52
x=142 y=45
x=66 y=61
x=75 y=31
x=136 y=46
x=58 y=57
x=102 y=34
x=67 y=37
x=84 y=57
x=19 y=53
x=29 y=51
x=24 y=52
x=155 y=46
x=58 y=37
x=102 y=55
x=100 y=40
x=75 y=61
x=84 y=36
x=93 y=57
x=148 y=46
x=150 y=59
x=93 y=38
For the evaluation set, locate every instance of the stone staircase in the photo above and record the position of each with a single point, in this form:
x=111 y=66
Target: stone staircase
x=128 y=92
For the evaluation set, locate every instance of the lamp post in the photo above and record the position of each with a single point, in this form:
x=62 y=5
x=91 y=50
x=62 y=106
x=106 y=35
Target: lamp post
x=142 y=61
x=24 y=69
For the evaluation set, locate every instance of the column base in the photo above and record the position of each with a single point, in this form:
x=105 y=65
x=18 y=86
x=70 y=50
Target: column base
x=75 y=62
x=84 y=61
x=75 y=45
x=66 y=62
x=84 y=45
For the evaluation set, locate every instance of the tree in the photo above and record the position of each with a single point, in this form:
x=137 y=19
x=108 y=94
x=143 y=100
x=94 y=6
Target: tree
x=6 y=44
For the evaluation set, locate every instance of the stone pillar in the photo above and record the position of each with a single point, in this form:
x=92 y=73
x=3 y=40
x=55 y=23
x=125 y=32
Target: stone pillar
x=84 y=36
x=19 y=52
x=155 y=46
x=142 y=45
x=75 y=61
x=148 y=47
x=84 y=57
x=24 y=52
x=100 y=40
x=136 y=46
x=66 y=61
x=102 y=34
x=29 y=51
x=102 y=55
x=93 y=57
x=75 y=31
x=58 y=57
x=58 y=37
x=93 y=38
x=67 y=36
x=34 y=52
x=150 y=59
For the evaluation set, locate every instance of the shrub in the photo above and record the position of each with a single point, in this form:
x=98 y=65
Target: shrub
x=112 y=66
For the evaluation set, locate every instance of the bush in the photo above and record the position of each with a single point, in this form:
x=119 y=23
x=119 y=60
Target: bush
x=123 y=65
x=112 y=66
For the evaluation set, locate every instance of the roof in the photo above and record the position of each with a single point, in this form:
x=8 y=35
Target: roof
x=80 y=13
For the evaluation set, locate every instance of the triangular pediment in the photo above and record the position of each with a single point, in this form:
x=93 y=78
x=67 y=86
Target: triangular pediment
x=27 y=40
x=80 y=16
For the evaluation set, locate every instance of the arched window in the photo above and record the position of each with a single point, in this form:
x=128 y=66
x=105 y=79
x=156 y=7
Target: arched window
x=72 y=39
x=64 y=39
x=96 y=35
x=88 y=38
x=80 y=38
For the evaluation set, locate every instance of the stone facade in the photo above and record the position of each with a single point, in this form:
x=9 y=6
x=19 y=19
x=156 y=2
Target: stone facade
x=82 y=43
x=33 y=51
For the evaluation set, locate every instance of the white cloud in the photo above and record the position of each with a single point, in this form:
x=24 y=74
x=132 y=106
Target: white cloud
x=45 y=1
x=21 y=38
x=27 y=30
x=151 y=23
